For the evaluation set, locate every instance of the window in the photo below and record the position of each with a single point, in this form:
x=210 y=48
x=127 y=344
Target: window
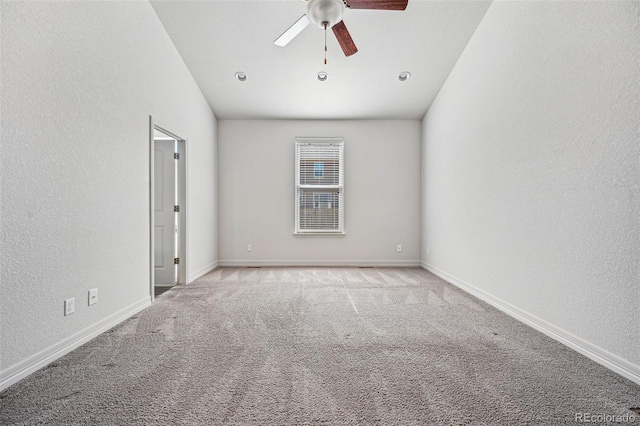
x=322 y=200
x=319 y=186
x=318 y=169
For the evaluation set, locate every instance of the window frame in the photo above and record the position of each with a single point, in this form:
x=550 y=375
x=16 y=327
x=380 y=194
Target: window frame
x=316 y=186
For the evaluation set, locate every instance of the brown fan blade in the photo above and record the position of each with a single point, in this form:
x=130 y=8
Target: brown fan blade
x=378 y=4
x=344 y=38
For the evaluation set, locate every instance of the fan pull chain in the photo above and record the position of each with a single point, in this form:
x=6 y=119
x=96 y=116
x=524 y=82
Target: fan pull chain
x=325 y=23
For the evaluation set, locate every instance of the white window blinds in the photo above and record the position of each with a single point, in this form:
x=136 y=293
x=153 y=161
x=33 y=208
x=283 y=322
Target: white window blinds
x=319 y=185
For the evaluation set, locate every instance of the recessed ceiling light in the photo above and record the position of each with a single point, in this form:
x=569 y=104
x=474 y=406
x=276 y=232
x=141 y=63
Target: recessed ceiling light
x=404 y=76
x=322 y=76
x=240 y=76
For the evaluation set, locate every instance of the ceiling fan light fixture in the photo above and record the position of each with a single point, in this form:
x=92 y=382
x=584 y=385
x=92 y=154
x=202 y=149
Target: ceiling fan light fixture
x=240 y=76
x=404 y=76
x=322 y=76
x=321 y=11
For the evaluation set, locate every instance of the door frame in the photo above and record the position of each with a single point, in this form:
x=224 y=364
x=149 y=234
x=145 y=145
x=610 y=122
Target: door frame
x=183 y=222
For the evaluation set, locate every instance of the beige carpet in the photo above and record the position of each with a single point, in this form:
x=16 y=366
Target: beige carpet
x=288 y=346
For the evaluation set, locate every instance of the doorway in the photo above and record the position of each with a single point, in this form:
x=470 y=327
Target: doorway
x=167 y=209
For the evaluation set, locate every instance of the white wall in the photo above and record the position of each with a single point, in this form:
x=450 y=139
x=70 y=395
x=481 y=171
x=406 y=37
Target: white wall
x=80 y=80
x=382 y=193
x=531 y=181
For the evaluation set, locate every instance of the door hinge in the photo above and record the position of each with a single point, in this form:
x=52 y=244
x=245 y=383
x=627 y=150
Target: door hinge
x=176 y=208
x=176 y=260
x=176 y=156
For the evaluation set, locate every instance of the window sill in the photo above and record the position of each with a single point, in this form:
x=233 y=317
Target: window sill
x=315 y=234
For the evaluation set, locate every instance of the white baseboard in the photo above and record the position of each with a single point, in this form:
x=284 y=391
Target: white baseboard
x=202 y=271
x=24 y=368
x=601 y=356
x=354 y=263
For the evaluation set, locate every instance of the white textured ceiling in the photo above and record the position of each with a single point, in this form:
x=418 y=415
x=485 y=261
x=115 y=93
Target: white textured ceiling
x=217 y=38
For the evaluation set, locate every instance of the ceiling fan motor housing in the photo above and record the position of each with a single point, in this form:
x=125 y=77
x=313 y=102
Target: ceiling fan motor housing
x=321 y=11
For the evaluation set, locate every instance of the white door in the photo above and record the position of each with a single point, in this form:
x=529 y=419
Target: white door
x=164 y=185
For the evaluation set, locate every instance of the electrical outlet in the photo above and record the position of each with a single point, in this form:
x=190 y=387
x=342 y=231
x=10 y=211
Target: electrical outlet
x=399 y=248
x=249 y=248
x=428 y=250
x=69 y=306
x=93 y=296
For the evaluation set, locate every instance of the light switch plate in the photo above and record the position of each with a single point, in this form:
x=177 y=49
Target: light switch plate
x=93 y=296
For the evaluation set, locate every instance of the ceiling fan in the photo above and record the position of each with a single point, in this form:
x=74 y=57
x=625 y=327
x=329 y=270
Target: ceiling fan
x=328 y=13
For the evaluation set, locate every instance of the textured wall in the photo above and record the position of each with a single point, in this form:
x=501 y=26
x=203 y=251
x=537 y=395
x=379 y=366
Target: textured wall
x=80 y=80
x=382 y=192
x=531 y=168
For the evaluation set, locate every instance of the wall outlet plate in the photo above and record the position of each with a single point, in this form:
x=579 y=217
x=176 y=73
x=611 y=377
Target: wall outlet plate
x=69 y=306
x=93 y=296
x=399 y=248
x=249 y=248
